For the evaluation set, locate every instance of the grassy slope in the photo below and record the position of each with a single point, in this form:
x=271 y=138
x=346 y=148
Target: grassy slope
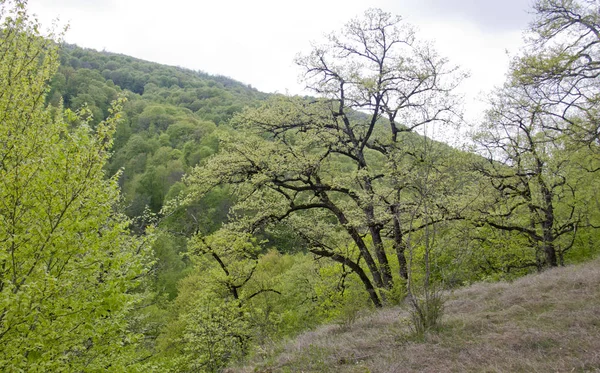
x=540 y=323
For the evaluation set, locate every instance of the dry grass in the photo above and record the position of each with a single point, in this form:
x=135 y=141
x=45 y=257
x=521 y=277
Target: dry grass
x=540 y=323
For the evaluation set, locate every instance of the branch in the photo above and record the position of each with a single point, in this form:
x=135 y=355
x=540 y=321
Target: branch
x=263 y=291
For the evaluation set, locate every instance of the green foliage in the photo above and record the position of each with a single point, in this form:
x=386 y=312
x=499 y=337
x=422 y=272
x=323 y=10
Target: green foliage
x=293 y=208
x=215 y=333
x=239 y=297
x=170 y=265
x=167 y=107
x=68 y=265
x=339 y=295
x=292 y=308
x=210 y=326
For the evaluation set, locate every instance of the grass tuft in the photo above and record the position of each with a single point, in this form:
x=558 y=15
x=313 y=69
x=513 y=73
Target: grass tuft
x=426 y=312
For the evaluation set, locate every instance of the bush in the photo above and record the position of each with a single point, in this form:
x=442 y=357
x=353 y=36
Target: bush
x=426 y=311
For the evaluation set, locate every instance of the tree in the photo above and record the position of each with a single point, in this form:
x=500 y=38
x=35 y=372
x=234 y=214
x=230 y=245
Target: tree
x=336 y=168
x=561 y=66
x=541 y=136
x=213 y=307
x=68 y=266
x=536 y=189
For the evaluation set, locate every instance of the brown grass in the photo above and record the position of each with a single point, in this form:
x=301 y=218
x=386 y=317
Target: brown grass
x=540 y=323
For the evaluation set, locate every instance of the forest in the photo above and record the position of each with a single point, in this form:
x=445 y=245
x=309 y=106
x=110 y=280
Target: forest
x=155 y=218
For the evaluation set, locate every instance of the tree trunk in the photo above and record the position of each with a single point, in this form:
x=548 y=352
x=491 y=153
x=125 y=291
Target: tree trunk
x=356 y=269
x=384 y=265
x=399 y=247
x=352 y=231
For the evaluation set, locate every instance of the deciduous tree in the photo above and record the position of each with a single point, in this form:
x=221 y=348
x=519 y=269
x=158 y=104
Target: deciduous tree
x=561 y=66
x=537 y=191
x=68 y=266
x=336 y=168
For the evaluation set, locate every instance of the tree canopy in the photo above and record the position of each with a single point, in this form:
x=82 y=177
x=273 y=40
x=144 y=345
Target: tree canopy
x=329 y=166
x=68 y=265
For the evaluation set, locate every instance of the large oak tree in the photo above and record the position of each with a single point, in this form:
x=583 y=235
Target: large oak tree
x=338 y=168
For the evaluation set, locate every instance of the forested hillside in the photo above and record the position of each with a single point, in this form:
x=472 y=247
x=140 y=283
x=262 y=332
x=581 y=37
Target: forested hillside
x=199 y=221
x=167 y=122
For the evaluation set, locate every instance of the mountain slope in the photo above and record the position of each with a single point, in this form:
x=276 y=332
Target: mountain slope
x=538 y=323
x=168 y=121
x=83 y=72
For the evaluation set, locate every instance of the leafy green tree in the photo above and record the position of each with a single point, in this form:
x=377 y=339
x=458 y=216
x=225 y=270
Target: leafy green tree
x=170 y=265
x=561 y=66
x=541 y=138
x=534 y=176
x=211 y=326
x=68 y=266
x=334 y=168
x=214 y=334
x=238 y=297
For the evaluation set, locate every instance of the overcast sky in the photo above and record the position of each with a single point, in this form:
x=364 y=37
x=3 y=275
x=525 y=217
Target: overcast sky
x=255 y=41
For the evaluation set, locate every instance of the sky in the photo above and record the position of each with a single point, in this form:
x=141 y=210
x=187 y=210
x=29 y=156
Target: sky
x=255 y=41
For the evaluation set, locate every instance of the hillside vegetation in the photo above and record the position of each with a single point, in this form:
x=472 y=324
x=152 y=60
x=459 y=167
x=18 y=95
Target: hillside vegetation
x=167 y=124
x=548 y=322
x=158 y=219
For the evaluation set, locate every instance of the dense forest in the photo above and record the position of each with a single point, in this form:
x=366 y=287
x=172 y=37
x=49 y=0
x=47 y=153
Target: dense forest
x=155 y=218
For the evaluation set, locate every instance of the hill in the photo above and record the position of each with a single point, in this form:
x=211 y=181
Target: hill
x=85 y=73
x=539 y=323
x=168 y=121
x=176 y=120
x=299 y=213
x=168 y=126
